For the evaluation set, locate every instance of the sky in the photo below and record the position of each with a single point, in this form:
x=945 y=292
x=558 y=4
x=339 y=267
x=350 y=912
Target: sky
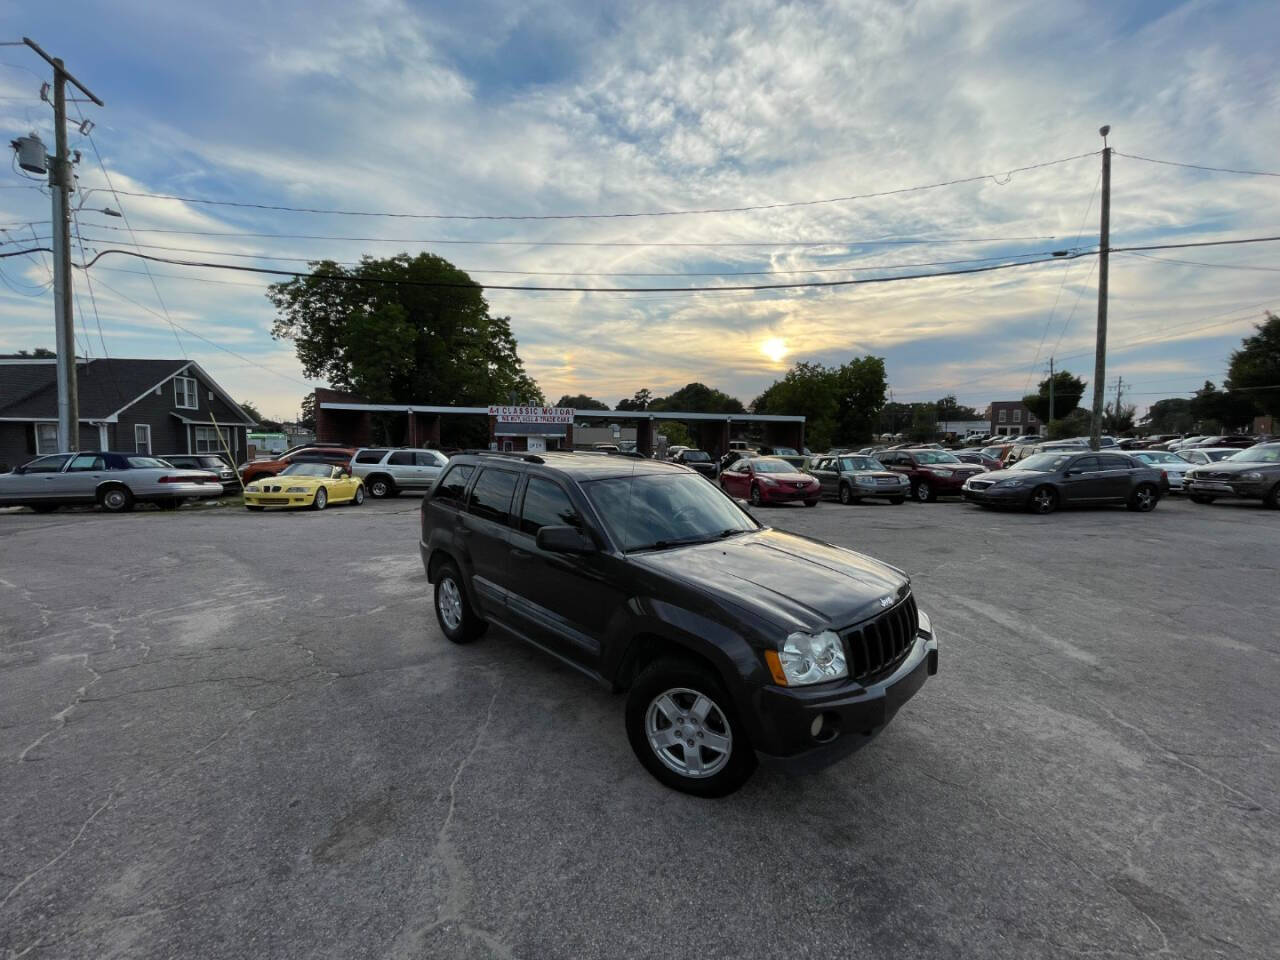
x=553 y=108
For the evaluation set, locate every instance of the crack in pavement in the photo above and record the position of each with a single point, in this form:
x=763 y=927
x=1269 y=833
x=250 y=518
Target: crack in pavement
x=65 y=850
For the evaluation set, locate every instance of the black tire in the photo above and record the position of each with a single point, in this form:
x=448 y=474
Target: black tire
x=116 y=499
x=1201 y=498
x=1144 y=498
x=321 y=499
x=1272 y=499
x=380 y=487
x=43 y=507
x=846 y=495
x=358 y=497
x=922 y=492
x=255 y=509
x=756 y=500
x=811 y=503
x=1043 y=500
x=458 y=621
x=897 y=500
x=688 y=680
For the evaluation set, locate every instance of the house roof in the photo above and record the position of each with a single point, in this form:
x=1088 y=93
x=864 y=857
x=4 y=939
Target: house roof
x=29 y=388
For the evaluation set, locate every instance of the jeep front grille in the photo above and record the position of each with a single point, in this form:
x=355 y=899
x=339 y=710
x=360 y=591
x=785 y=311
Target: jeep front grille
x=877 y=646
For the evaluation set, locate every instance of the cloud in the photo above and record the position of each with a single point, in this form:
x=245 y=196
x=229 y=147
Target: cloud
x=554 y=107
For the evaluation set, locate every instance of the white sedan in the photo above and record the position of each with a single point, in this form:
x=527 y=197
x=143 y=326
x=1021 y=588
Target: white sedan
x=1174 y=466
x=1199 y=456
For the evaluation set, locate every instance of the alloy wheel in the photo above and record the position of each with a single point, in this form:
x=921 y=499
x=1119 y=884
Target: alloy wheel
x=1044 y=500
x=688 y=732
x=322 y=499
x=923 y=491
x=450 y=604
x=1144 y=498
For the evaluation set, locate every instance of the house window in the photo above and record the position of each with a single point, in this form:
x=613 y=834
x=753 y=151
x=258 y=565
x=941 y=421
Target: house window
x=207 y=440
x=46 y=438
x=142 y=438
x=184 y=393
x=1017 y=416
x=1004 y=416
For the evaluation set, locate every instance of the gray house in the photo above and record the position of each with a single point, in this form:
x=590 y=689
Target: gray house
x=149 y=406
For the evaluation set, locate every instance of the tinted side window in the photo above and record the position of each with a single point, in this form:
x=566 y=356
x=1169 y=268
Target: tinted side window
x=426 y=458
x=401 y=458
x=546 y=504
x=46 y=464
x=454 y=483
x=1086 y=464
x=491 y=496
x=370 y=456
x=1113 y=462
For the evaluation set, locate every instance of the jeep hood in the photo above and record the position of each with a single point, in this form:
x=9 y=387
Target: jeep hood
x=797 y=582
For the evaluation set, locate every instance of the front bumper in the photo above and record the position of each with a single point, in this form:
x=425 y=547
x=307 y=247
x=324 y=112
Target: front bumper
x=996 y=496
x=787 y=492
x=1244 y=489
x=281 y=499
x=874 y=490
x=853 y=715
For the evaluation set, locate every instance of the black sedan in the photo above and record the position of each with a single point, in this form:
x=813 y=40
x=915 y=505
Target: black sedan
x=1044 y=481
x=698 y=460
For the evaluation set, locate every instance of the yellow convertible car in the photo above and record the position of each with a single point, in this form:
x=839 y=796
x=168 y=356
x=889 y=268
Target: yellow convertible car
x=314 y=485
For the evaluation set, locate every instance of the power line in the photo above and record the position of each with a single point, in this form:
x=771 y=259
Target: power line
x=1197 y=166
x=1202 y=263
x=879 y=241
x=1006 y=174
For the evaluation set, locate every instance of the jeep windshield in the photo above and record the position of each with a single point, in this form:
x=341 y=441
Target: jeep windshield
x=655 y=511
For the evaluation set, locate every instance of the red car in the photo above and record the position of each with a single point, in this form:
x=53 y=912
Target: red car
x=933 y=473
x=257 y=469
x=769 y=480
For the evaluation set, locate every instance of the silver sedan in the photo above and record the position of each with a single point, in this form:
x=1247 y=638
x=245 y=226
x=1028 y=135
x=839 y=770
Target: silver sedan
x=116 y=481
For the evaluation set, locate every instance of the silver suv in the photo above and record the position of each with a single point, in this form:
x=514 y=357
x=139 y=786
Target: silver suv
x=386 y=470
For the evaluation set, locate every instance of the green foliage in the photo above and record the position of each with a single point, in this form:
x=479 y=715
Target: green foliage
x=1255 y=367
x=1067 y=391
x=639 y=401
x=697 y=398
x=677 y=433
x=841 y=405
x=39 y=353
x=1170 y=416
x=949 y=409
x=397 y=341
x=265 y=424
x=1216 y=409
x=307 y=415
x=924 y=423
x=1074 y=424
x=581 y=402
x=1118 y=421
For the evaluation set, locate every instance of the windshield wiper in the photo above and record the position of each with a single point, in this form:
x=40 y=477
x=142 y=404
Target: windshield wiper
x=688 y=541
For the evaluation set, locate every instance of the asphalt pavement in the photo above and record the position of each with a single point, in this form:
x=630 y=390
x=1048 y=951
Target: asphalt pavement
x=241 y=735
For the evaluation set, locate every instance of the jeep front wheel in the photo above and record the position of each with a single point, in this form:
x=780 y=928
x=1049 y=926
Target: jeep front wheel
x=457 y=620
x=684 y=730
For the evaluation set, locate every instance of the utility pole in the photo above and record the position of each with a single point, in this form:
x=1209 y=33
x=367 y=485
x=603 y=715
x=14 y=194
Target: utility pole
x=61 y=183
x=1051 y=410
x=1104 y=245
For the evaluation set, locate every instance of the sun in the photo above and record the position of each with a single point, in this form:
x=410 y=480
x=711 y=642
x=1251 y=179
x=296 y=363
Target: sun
x=775 y=348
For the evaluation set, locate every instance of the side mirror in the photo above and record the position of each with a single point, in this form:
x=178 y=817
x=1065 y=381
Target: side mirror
x=564 y=539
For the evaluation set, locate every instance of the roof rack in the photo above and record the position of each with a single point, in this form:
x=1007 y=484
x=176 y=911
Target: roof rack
x=510 y=454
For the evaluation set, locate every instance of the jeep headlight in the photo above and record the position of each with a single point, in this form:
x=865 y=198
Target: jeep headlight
x=809 y=658
x=295 y=490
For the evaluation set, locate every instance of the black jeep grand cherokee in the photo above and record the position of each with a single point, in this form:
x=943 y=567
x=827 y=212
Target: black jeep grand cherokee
x=736 y=643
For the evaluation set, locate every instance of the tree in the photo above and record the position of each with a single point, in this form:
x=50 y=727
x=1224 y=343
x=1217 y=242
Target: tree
x=307 y=413
x=39 y=353
x=1170 y=416
x=1074 y=424
x=924 y=422
x=948 y=409
x=677 y=433
x=841 y=405
x=1067 y=391
x=581 y=402
x=639 y=401
x=264 y=423
x=1216 y=409
x=1118 y=421
x=698 y=398
x=1255 y=368
x=405 y=329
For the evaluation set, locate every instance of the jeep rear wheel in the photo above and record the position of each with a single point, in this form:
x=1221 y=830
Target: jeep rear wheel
x=684 y=730
x=458 y=622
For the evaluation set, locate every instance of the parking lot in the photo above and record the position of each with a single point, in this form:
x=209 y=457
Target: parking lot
x=236 y=735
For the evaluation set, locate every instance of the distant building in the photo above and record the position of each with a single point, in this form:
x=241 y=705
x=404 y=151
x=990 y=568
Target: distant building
x=143 y=406
x=1011 y=418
